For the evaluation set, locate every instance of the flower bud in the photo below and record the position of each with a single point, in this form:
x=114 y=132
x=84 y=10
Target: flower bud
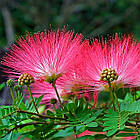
x=25 y=79
x=10 y=83
x=108 y=75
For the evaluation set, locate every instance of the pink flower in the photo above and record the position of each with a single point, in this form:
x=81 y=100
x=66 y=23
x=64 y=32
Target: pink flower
x=116 y=61
x=72 y=83
x=43 y=54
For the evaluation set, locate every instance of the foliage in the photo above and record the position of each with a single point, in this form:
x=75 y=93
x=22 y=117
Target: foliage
x=78 y=115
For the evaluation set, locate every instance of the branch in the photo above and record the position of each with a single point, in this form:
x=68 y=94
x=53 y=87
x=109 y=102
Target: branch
x=41 y=116
x=35 y=123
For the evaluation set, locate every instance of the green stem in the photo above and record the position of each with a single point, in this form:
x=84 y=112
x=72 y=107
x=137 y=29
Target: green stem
x=34 y=123
x=135 y=94
x=111 y=95
x=53 y=84
x=116 y=100
x=84 y=98
x=32 y=98
x=54 y=107
x=12 y=94
x=16 y=94
x=41 y=116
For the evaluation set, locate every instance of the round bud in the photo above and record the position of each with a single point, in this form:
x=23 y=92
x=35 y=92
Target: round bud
x=105 y=79
x=10 y=83
x=104 y=75
x=108 y=76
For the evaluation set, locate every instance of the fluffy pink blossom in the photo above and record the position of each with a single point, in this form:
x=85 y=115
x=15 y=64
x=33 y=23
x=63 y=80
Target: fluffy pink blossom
x=43 y=54
x=74 y=83
x=122 y=54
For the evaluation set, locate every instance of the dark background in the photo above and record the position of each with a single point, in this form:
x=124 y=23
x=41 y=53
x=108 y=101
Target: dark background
x=92 y=18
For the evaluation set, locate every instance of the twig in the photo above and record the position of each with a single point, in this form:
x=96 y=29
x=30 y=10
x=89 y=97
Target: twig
x=34 y=123
x=41 y=116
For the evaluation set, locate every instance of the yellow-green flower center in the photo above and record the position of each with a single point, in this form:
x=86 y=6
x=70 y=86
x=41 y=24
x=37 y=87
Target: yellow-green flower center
x=108 y=75
x=25 y=79
x=52 y=78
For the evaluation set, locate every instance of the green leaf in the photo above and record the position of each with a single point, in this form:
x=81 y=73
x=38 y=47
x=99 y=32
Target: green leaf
x=131 y=107
x=115 y=121
x=41 y=109
x=71 y=107
x=2 y=86
x=137 y=95
x=95 y=129
x=100 y=136
x=94 y=116
x=25 y=129
x=128 y=130
x=39 y=99
x=64 y=133
x=11 y=136
x=50 y=113
x=128 y=98
x=111 y=132
x=92 y=124
x=81 y=129
x=87 y=137
x=126 y=134
x=22 y=106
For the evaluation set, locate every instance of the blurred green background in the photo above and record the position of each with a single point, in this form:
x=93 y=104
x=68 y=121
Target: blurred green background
x=89 y=17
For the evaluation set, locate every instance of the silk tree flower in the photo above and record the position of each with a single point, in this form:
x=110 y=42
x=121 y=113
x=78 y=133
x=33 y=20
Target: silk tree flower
x=73 y=83
x=43 y=54
x=116 y=61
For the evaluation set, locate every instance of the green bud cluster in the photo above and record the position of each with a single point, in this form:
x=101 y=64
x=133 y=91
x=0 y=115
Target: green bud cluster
x=10 y=83
x=25 y=79
x=108 y=75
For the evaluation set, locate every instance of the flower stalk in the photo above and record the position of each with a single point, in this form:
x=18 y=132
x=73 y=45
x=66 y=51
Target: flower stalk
x=53 y=84
x=12 y=94
x=113 y=97
x=32 y=98
x=117 y=101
